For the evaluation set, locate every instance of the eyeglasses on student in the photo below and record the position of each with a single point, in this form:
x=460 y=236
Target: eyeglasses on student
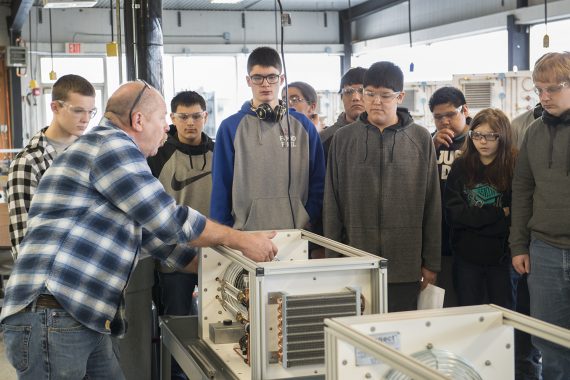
x=258 y=79
x=196 y=116
x=78 y=111
x=483 y=136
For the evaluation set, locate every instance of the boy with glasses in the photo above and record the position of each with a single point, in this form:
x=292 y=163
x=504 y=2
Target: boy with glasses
x=73 y=106
x=451 y=116
x=351 y=96
x=184 y=166
x=264 y=178
x=382 y=191
x=540 y=230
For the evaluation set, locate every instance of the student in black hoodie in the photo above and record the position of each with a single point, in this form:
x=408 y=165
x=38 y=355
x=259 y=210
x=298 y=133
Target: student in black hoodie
x=451 y=117
x=184 y=164
x=477 y=203
x=184 y=167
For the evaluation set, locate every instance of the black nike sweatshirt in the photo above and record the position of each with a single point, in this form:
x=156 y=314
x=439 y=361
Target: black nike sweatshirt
x=185 y=171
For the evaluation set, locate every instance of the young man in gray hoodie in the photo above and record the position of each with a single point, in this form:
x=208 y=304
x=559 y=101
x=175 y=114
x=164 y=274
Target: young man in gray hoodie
x=382 y=189
x=540 y=230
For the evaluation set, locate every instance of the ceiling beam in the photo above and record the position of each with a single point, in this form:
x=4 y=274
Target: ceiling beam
x=20 y=11
x=367 y=8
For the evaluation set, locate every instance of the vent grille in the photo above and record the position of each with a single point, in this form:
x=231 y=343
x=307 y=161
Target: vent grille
x=302 y=324
x=478 y=95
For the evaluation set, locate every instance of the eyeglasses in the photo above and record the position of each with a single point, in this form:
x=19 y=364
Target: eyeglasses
x=550 y=90
x=137 y=100
x=196 y=116
x=483 y=136
x=449 y=115
x=294 y=99
x=78 y=111
x=383 y=96
x=258 y=79
x=349 y=91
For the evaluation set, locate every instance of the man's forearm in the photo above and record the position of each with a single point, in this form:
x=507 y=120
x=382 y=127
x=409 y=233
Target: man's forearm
x=256 y=246
x=216 y=234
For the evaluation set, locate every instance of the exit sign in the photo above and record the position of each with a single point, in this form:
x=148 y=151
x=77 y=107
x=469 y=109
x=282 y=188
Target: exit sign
x=73 y=48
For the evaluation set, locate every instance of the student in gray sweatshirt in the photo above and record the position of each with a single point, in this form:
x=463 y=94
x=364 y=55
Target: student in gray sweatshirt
x=540 y=232
x=382 y=189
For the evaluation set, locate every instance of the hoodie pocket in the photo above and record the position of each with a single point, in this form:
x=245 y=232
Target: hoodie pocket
x=275 y=213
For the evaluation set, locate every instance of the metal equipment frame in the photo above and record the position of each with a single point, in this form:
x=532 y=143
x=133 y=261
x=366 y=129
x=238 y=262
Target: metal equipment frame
x=346 y=337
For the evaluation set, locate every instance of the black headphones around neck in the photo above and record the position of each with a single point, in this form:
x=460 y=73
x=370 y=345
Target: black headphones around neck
x=265 y=112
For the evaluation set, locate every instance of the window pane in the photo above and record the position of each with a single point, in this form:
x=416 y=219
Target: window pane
x=440 y=60
x=88 y=67
x=558 y=36
x=214 y=77
x=321 y=71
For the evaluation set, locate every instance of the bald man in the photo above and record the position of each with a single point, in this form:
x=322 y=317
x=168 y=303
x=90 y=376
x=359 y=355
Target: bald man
x=97 y=208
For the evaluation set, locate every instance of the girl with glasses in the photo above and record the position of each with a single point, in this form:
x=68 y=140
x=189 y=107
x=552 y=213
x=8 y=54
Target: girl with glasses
x=303 y=98
x=477 y=202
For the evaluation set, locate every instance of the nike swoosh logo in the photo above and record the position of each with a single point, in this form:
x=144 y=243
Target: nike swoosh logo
x=179 y=185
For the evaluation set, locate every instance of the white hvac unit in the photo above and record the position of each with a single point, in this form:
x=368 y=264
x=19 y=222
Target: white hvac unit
x=417 y=100
x=266 y=320
x=468 y=343
x=512 y=92
x=68 y=3
x=329 y=106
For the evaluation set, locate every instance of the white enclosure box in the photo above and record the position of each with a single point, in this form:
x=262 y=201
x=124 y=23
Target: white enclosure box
x=280 y=306
x=511 y=92
x=417 y=100
x=472 y=342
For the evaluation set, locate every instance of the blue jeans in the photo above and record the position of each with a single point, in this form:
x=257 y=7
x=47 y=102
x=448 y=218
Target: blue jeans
x=50 y=344
x=549 y=287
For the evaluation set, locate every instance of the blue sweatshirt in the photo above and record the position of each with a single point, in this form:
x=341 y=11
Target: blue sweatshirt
x=251 y=172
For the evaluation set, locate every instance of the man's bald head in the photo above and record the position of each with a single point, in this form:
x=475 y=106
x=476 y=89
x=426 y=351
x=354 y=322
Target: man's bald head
x=120 y=103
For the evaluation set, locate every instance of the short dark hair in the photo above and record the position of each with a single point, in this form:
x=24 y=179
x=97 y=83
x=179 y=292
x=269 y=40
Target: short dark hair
x=352 y=76
x=307 y=90
x=446 y=95
x=187 y=98
x=71 y=83
x=264 y=56
x=384 y=74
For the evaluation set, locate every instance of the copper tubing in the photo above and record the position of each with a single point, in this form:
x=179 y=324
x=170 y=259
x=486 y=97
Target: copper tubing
x=280 y=330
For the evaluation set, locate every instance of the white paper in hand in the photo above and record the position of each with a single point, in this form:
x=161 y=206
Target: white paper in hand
x=431 y=298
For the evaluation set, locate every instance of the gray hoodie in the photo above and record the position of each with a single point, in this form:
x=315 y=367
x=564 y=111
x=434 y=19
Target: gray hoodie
x=382 y=195
x=541 y=186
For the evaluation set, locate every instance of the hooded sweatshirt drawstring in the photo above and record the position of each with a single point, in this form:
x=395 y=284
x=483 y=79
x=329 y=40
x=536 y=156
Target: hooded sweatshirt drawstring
x=260 y=138
x=568 y=158
x=553 y=122
x=393 y=146
x=366 y=145
x=552 y=133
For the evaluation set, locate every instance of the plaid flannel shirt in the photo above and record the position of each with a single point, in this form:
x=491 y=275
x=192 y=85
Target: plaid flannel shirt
x=25 y=172
x=93 y=212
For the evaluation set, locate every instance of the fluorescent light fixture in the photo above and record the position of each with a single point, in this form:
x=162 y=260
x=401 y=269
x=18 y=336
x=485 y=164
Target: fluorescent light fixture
x=68 y=4
x=225 y=1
